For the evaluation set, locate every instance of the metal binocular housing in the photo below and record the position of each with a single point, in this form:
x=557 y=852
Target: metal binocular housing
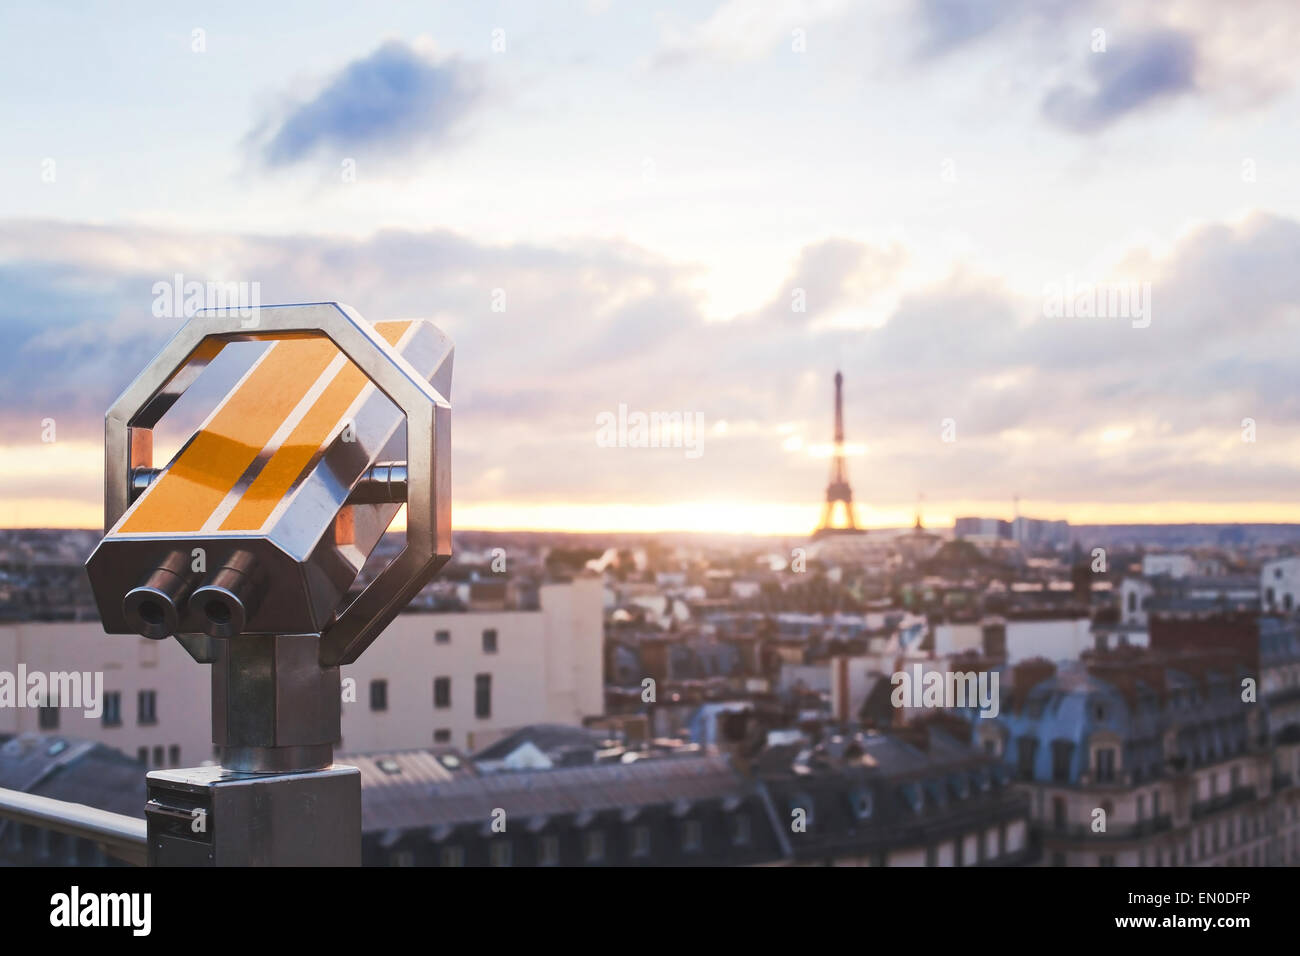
x=251 y=537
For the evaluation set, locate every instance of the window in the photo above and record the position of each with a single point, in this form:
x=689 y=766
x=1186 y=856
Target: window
x=692 y=836
x=452 y=856
x=47 y=718
x=1026 y=748
x=640 y=841
x=490 y=641
x=741 y=830
x=1155 y=803
x=379 y=695
x=142 y=755
x=442 y=637
x=548 y=850
x=499 y=852
x=1058 y=813
x=1236 y=777
x=961 y=784
x=593 y=846
x=174 y=755
x=146 y=703
x=482 y=695
x=158 y=756
x=442 y=736
x=442 y=692
x=861 y=802
x=1106 y=765
x=913 y=795
x=1142 y=807
x=112 y=716
x=1062 y=754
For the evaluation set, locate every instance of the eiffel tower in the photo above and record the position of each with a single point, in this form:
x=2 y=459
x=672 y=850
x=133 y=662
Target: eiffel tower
x=838 y=490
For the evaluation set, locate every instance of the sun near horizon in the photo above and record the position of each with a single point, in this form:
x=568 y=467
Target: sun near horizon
x=732 y=517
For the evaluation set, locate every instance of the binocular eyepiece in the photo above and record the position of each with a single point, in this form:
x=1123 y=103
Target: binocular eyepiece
x=228 y=598
x=154 y=607
x=263 y=521
x=167 y=602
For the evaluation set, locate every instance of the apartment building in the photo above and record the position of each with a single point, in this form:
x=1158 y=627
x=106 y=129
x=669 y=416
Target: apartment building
x=1055 y=636
x=689 y=810
x=1142 y=597
x=156 y=704
x=911 y=797
x=447 y=678
x=1160 y=756
x=1279 y=585
x=464 y=680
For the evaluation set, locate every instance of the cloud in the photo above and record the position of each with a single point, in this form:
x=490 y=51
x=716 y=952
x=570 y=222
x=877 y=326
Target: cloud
x=832 y=274
x=582 y=323
x=590 y=325
x=395 y=100
x=745 y=30
x=949 y=24
x=1125 y=78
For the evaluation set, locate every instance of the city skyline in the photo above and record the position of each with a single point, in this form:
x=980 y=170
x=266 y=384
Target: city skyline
x=1005 y=177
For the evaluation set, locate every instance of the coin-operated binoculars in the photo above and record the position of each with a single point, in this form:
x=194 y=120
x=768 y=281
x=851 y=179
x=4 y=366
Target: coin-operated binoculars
x=245 y=545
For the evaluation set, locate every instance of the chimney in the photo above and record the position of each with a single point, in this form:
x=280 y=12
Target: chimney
x=1027 y=674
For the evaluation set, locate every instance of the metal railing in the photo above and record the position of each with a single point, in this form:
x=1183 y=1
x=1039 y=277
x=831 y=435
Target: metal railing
x=117 y=835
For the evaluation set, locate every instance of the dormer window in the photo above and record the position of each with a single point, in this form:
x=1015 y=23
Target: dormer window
x=861 y=802
x=1105 y=766
x=913 y=796
x=960 y=786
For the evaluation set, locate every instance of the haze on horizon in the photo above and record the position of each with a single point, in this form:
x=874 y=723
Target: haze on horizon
x=696 y=210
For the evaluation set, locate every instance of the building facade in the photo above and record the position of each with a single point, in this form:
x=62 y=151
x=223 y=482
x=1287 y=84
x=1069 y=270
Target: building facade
x=919 y=797
x=1157 y=757
x=676 y=811
x=458 y=679
x=1279 y=585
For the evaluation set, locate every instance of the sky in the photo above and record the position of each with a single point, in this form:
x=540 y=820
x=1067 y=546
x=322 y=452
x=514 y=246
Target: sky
x=700 y=209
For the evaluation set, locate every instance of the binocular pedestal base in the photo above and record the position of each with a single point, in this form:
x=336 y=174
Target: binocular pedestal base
x=209 y=816
x=278 y=798
x=275 y=709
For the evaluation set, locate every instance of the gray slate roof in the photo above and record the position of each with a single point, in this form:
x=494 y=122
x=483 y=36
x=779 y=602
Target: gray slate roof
x=587 y=790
